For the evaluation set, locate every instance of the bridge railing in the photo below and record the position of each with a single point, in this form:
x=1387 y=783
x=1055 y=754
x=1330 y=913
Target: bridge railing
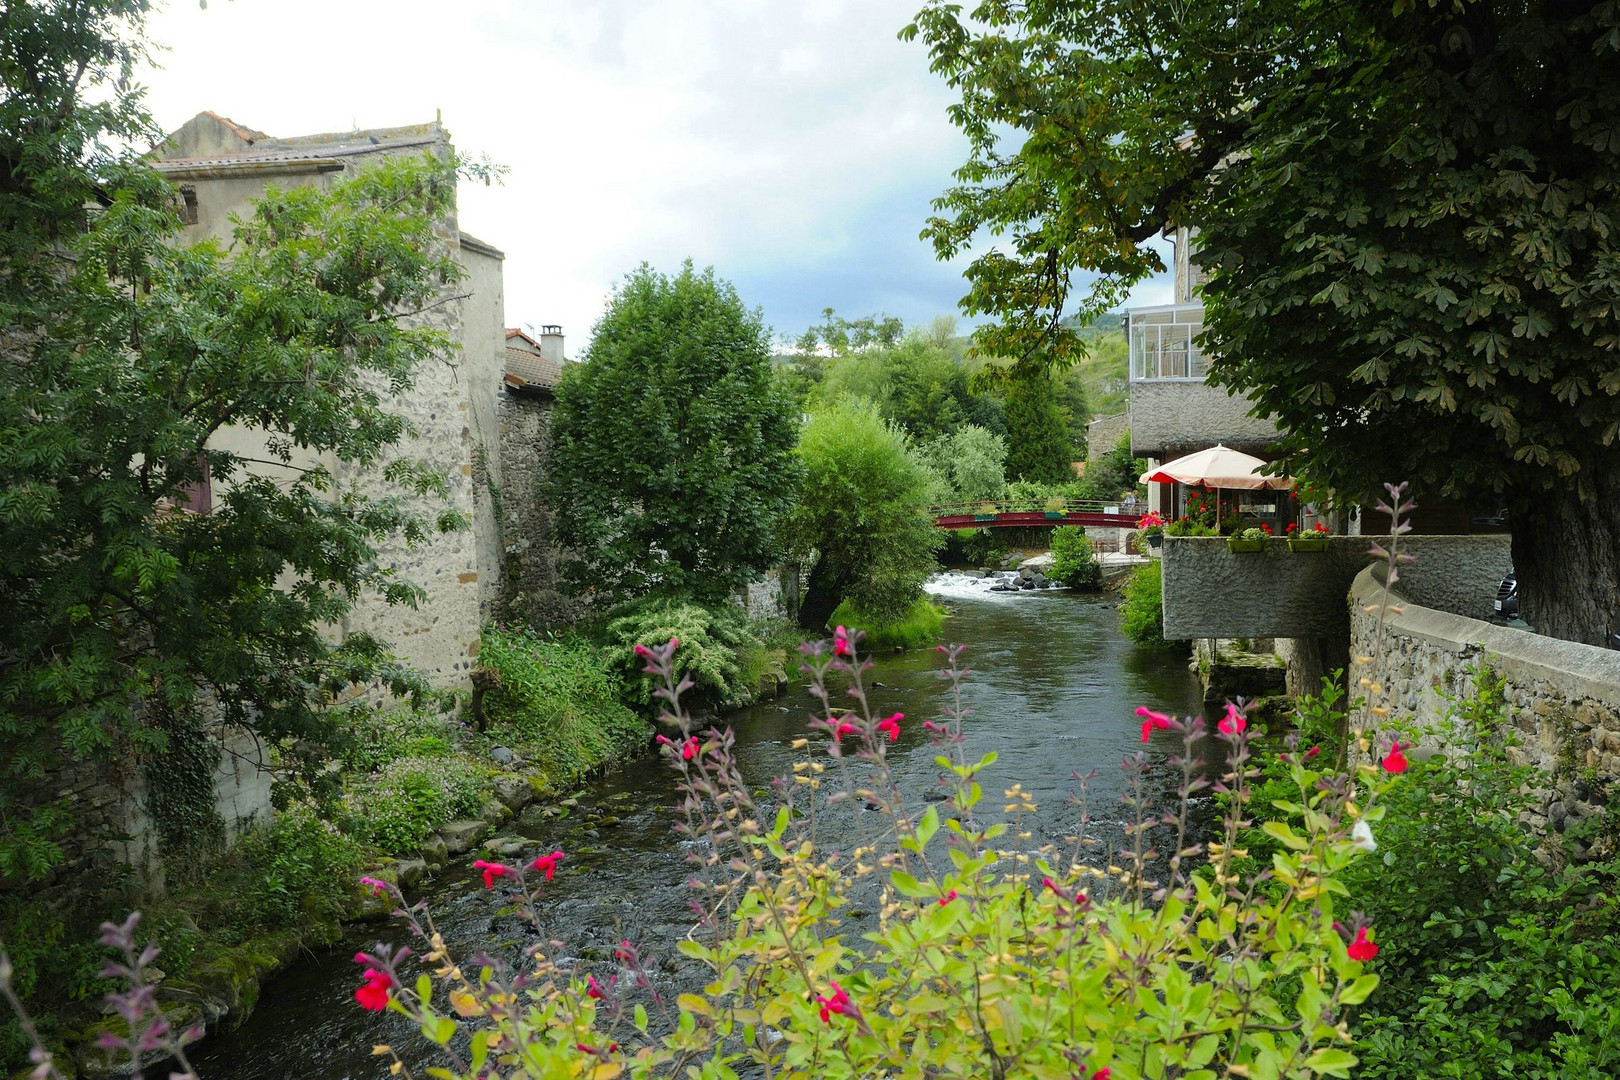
x=1029 y=506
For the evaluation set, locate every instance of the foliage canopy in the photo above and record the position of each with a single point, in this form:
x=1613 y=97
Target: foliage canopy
x=671 y=446
x=1406 y=211
x=124 y=354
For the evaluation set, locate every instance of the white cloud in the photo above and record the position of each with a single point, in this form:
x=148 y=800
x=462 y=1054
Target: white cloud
x=794 y=148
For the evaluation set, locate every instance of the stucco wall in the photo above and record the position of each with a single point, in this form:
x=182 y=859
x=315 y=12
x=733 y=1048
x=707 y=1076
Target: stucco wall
x=1210 y=591
x=1562 y=697
x=1170 y=416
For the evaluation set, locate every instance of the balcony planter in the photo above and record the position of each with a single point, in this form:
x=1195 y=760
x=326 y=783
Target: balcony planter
x=984 y=517
x=1235 y=543
x=1056 y=515
x=1307 y=543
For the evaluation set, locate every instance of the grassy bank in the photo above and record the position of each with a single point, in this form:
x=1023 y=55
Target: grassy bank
x=922 y=624
x=411 y=789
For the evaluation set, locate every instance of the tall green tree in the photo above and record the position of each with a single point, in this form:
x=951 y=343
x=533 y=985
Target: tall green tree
x=1040 y=445
x=672 y=461
x=123 y=353
x=863 y=512
x=1407 y=211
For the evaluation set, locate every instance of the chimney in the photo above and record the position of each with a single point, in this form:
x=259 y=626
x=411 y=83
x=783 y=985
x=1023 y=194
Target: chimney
x=551 y=342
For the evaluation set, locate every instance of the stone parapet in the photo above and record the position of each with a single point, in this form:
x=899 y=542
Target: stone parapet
x=1562 y=697
x=1210 y=591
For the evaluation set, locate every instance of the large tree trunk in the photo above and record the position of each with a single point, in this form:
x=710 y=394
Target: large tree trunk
x=822 y=596
x=1567 y=555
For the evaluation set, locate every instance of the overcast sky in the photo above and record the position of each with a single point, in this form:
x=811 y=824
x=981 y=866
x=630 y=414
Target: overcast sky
x=793 y=146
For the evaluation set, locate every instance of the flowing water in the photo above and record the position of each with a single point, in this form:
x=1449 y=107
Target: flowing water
x=1053 y=690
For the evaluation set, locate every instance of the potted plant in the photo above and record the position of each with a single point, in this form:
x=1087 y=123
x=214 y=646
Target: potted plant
x=985 y=512
x=1057 y=507
x=1151 y=528
x=1313 y=539
x=1249 y=539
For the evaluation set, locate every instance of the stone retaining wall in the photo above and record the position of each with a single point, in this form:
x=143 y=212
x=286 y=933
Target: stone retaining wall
x=1562 y=697
x=1210 y=591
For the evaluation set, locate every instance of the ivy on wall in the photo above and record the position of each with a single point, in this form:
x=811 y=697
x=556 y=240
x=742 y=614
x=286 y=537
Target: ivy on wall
x=180 y=798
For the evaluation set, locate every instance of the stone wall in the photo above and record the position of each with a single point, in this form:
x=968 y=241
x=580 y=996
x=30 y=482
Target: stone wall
x=1210 y=591
x=529 y=571
x=114 y=835
x=1561 y=696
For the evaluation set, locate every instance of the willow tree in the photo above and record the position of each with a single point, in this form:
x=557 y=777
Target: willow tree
x=1406 y=211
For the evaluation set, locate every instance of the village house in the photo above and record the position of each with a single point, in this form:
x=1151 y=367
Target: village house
x=219 y=167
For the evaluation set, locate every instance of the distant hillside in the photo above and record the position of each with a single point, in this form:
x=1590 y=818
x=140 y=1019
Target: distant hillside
x=1105 y=368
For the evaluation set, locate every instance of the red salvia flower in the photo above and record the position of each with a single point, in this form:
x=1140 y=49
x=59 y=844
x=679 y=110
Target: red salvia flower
x=891 y=725
x=373 y=993
x=548 y=863
x=492 y=870
x=1395 y=761
x=839 y=1003
x=1361 y=949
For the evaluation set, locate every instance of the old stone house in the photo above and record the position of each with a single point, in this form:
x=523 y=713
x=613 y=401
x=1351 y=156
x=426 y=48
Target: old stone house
x=219 y=167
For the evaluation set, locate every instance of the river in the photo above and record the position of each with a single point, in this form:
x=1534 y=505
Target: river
x=1053 y=691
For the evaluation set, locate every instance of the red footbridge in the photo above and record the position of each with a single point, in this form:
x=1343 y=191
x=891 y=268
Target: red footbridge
x=1025 y=515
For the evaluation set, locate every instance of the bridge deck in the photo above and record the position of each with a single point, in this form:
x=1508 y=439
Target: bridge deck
x=1024 y=519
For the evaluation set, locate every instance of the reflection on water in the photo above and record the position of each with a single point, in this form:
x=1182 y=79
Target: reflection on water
x=1053 y=690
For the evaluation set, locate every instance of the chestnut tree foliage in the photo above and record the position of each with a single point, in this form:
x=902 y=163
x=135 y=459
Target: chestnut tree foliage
x=1407 y=211
x=122 y=352
x=671 y=460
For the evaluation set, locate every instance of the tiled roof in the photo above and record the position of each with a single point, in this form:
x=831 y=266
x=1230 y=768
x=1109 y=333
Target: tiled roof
x=283 y=154
x=531 y=370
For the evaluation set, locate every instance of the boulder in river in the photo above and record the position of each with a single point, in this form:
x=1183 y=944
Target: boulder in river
x=503 y=755
x=461 y=837
x=514 y=792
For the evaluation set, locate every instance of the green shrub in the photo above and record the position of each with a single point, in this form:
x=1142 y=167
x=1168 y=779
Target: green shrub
x=1074 y=562
x=1499 y=956
x=301 y=870
x=1142 y=613
x=922 y=624
x=980 y=547
x=715 y=643
x=376 y=737
x=410 y=798
x=558 y=701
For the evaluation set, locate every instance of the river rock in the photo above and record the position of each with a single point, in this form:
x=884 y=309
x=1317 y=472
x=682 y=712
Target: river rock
x=503 y=755
x=101 y=1063
x=1026 y=573
x=434 y=850
x=503 y=846
x=495 y=812
x=460 y=837
x=412 y=872
x=514 y=792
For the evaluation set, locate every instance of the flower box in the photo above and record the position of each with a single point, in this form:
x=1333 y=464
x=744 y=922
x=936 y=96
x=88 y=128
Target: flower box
x=984 y=517
x=1235 y=543
x=1056 y=515
x=1307 y=543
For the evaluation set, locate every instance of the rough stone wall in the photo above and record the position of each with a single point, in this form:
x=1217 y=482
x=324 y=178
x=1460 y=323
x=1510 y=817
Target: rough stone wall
x=774 y=596
x=529 y=576
x=1562 y=697
x=114 y=835
x=1210 y=591
x=1171 y=416
x=483 y=349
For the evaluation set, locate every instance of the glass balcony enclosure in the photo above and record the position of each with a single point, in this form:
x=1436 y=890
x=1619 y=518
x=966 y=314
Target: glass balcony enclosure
x=1162 y=345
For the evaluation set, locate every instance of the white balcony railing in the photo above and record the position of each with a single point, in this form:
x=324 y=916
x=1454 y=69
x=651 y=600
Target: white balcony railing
x=1162 y=345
